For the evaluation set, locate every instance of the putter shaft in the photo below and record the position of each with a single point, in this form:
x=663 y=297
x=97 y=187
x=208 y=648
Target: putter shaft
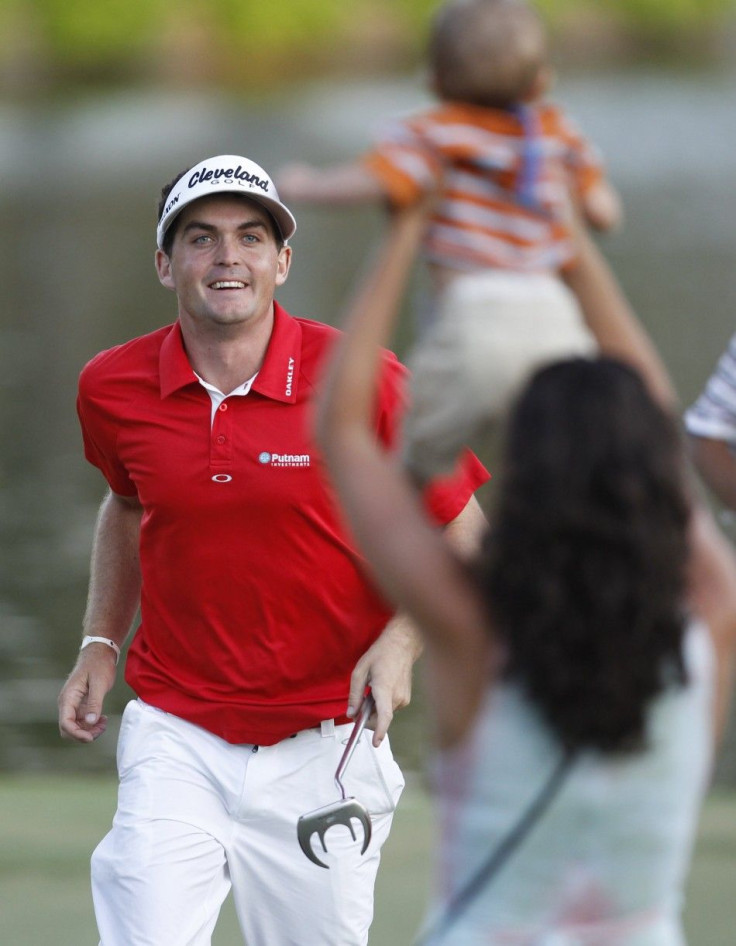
x=364 y=713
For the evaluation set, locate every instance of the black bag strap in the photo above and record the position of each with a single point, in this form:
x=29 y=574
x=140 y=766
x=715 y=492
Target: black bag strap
x=501 y=853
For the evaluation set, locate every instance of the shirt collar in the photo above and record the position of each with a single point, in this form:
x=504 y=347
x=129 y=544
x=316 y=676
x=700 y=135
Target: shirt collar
x=173 y=365
x=278 y=376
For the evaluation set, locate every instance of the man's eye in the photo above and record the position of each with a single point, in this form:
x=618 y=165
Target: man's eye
x=250 y=238
x=202 y=238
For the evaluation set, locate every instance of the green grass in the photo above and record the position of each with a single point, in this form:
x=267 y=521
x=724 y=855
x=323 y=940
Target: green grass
x=50 y=824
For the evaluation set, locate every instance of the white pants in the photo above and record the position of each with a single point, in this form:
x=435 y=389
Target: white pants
x=491 y=331
x=197 y=816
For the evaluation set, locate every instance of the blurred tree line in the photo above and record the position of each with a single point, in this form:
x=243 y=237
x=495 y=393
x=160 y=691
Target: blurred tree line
x=255 y=43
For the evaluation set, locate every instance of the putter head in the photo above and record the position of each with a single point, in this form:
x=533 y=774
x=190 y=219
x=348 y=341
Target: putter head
x=321 y=820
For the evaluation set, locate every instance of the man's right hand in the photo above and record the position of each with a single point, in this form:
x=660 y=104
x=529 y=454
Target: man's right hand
x=80 y=701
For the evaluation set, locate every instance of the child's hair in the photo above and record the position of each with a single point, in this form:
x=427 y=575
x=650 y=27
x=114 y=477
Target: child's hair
x=487 y=52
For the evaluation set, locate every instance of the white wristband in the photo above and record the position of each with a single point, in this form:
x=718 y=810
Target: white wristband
x=102 y=640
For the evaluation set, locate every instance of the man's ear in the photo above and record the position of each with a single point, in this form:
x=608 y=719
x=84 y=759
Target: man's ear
x=163 y=268
x=283 y=265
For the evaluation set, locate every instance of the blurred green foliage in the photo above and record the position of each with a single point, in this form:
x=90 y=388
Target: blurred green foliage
x=663 y=14
x=668 y=13
x=80 y=31
x=228 y=39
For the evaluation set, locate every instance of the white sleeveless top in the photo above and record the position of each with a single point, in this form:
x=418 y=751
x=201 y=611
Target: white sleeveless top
x=607 y=862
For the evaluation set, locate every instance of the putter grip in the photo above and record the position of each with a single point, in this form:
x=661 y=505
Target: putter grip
x=366 y=708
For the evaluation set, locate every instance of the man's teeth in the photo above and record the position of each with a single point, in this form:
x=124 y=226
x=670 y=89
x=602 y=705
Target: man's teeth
x=228 y=284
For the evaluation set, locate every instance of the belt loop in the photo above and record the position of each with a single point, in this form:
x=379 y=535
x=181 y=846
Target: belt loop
x=327 y=727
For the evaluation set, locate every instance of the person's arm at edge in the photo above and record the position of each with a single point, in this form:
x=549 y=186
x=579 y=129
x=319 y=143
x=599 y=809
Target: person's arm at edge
x=716 y=463
x=712 y=595
x=113 y=599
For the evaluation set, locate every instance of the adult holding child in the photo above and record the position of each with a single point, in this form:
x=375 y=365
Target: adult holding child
x=502 y=159
x=579 y=668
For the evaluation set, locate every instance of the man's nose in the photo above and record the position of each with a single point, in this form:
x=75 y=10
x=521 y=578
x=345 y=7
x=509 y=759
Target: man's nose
x=229 y=250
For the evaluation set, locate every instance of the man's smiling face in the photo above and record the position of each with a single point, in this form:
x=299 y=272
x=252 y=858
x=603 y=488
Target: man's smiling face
x=225 y=263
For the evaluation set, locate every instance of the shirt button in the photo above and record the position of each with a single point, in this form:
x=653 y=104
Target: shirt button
x=223 y=406
x=221 y=439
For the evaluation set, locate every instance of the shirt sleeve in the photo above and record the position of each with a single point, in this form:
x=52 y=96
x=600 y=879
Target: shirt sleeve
x=404 y=163
x=99 y=432
x=444 y=497
x=714 y=413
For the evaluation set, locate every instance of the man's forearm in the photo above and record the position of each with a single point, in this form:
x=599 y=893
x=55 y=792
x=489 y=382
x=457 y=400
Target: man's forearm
x=115 y=575
x=114 y=595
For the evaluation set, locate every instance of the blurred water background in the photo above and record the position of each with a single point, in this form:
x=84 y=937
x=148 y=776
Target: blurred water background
x=80 y=174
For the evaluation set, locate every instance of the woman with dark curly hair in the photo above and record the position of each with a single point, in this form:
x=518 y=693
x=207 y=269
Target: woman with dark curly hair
x=584 y=571
x=579 y=665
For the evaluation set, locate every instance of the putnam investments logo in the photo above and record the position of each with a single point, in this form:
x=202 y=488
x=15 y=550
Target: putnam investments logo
x=284 y=459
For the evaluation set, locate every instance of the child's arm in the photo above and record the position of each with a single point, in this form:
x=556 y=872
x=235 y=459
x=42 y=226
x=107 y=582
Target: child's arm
x=601 y=206
x=340 y=184
x=399 y=171
x=598 y=202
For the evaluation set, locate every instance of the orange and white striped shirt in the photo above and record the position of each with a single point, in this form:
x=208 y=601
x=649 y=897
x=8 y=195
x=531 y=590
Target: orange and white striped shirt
x=500 y=175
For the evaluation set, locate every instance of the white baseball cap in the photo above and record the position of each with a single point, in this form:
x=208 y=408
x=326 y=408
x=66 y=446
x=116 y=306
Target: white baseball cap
x=225 y=173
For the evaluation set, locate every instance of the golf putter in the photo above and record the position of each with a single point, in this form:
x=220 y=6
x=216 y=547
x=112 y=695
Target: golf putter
x=346 y=809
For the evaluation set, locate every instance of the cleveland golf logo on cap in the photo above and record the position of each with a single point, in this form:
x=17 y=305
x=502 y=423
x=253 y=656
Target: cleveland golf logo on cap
x=220 y=174
x=238 y=174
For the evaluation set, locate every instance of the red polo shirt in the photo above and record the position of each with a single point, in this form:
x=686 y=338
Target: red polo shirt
x=254 y=606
